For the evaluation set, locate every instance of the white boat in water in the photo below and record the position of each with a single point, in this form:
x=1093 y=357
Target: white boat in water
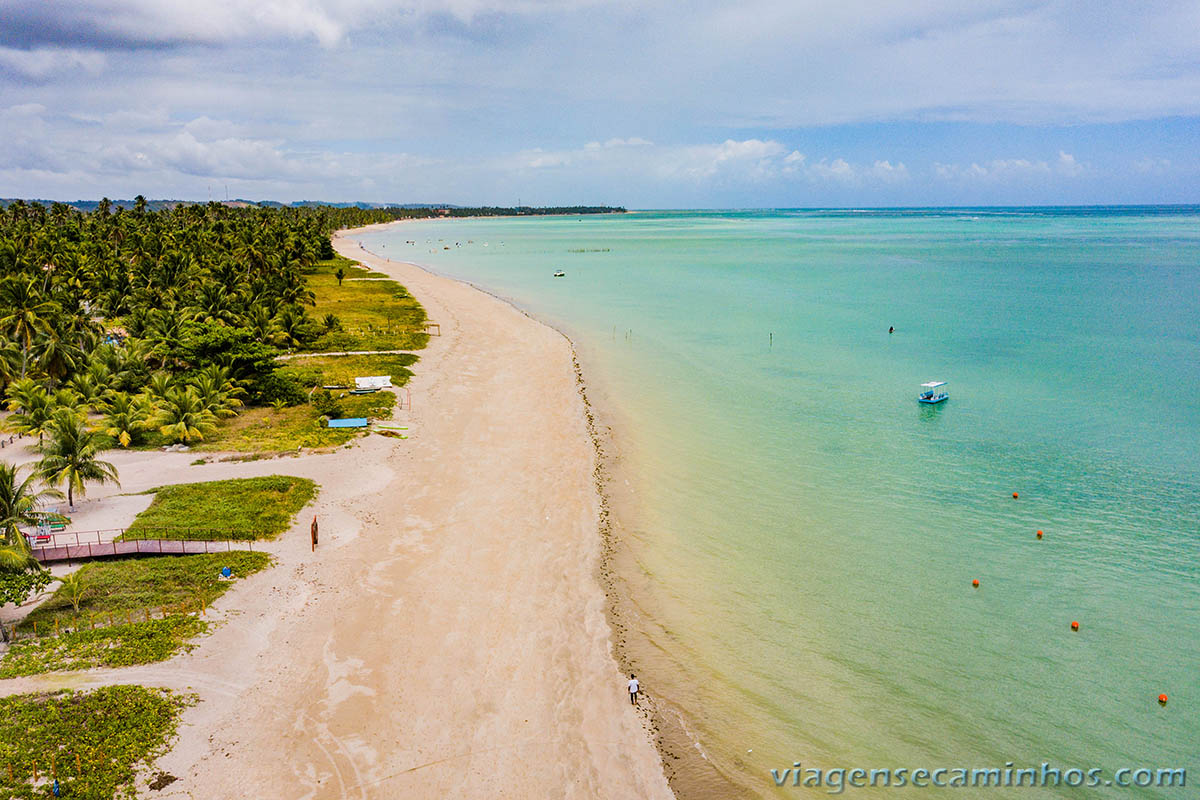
x=933 y=392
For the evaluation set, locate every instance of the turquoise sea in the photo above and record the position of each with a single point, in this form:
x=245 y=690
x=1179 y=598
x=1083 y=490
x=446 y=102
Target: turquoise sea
x=802 y=535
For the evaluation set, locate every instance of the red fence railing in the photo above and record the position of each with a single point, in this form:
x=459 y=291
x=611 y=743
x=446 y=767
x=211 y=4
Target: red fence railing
x=70 y=545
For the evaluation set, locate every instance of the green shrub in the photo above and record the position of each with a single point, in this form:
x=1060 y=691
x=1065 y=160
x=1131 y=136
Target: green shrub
x=98 y=739
x=111 y=646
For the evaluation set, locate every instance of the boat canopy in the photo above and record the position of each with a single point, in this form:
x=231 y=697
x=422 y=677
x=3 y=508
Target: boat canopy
x=933 y=384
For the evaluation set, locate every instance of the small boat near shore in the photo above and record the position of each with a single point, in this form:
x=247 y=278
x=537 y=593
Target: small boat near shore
x=933 y=392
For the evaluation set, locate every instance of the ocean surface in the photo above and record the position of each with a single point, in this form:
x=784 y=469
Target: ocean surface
x=806 y=534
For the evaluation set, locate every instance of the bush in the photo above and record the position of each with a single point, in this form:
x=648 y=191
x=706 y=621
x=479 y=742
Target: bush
x=326 y=404
x=275 y=387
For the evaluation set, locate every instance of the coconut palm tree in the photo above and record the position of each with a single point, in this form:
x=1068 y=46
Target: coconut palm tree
x=70 y=456
x=90 y=390
x=31 y=406
x=10 y=362
x=159 y=384
x=24 y=313
x=19 y=503
x=295 y=326
x=261 y=322
x=57 y=357
x=217 y=392
x=75 y=586
x=182 y=416
x=127 y=417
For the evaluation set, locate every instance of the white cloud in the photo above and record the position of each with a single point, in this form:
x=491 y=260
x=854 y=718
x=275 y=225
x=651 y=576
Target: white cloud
x=45 y=62
x=1011 y=169
x=1152 y=166
x=23 y=110
x=1067 y=165
x=632 y=141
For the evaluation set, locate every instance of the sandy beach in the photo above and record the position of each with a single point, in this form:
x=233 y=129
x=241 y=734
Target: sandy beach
x=448 y=638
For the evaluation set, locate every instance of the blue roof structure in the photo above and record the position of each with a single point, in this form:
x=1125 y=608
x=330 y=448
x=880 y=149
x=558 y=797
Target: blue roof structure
x=349 y=422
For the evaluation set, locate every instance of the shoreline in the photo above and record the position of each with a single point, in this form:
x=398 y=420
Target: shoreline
x=613 y=652
x=689 y=771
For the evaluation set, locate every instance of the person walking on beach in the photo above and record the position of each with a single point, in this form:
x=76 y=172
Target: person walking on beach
x=633 y=688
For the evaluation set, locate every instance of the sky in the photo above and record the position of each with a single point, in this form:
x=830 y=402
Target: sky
x=683 y=104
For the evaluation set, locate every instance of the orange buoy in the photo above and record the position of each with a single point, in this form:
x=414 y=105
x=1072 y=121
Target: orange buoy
x=1039 y=534
x=1015 y=495
x=1074 y=625
x=975 y=583
x=1162 y=699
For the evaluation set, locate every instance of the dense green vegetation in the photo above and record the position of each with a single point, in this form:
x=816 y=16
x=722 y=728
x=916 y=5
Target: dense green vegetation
x=135 y=585
x=93 y=741
x=241 y=508
x=122 y=645
x=155 y=327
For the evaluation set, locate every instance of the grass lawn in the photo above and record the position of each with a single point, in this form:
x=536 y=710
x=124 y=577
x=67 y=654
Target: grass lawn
x=98 y=739
x=110 y=646
x=135 y=584
x=242 y=508
x=342 y=370
x=375 y=315
x=267 y=430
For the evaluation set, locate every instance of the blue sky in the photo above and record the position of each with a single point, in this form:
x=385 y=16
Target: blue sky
x=762 y=103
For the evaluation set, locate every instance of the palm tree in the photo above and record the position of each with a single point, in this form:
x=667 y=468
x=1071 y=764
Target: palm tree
x=90 y=390
x=217 y=392
x=164 y=332
x=31 y=407
x=19 y=503
x=70 y=456
x=57 y=358
x=295 y=326
x=159 y=385
x=10 y=358
x=215 y=302
x=261 y=322
x=20 y=573
x=127 y=417
x=182 y=416
x=75 y=586
x=24 y=313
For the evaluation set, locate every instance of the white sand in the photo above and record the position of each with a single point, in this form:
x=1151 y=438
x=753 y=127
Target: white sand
x=448 y=639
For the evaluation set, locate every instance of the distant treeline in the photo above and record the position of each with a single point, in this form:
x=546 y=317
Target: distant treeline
x=405 y=211
x=497 y=211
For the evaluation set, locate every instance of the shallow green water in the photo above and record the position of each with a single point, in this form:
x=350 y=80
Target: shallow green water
x=812 y=532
